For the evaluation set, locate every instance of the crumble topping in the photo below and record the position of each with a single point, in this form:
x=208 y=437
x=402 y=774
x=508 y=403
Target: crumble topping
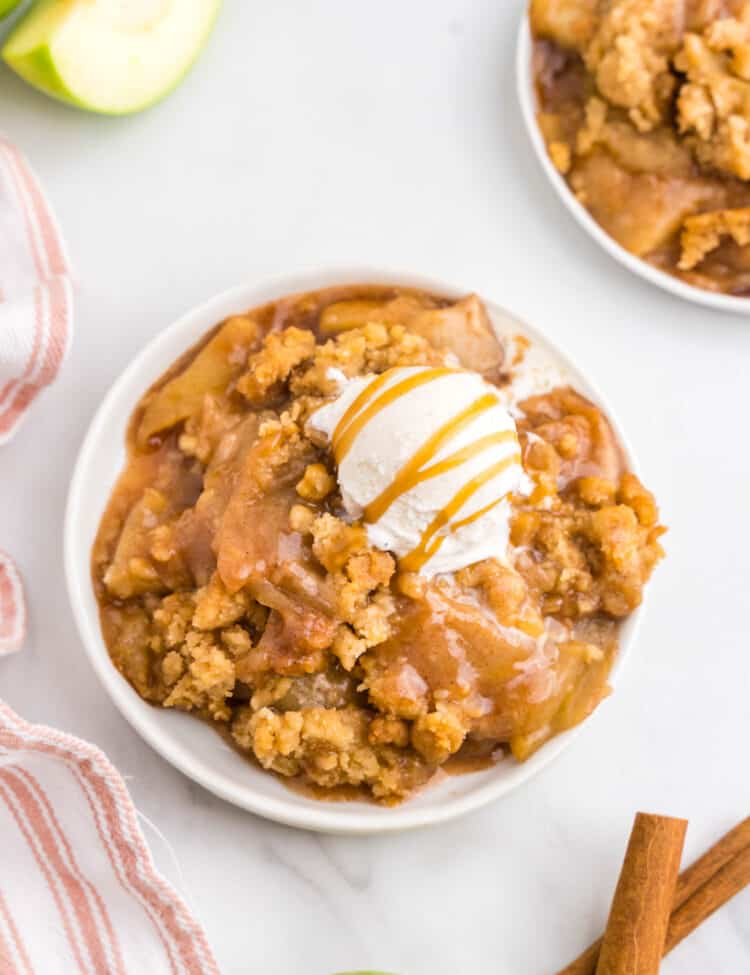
x=703 y=234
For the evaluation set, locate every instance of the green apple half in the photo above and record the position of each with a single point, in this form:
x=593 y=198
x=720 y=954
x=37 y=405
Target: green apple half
x=109 y=56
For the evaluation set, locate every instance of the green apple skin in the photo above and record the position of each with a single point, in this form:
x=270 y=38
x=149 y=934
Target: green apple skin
x=38 y=69
x=38 y=66
x=8 y=6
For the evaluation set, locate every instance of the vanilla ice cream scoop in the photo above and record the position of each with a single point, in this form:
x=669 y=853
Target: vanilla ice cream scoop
x=428 y=458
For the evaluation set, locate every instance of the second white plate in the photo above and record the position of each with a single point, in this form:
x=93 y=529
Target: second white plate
x=528 y=101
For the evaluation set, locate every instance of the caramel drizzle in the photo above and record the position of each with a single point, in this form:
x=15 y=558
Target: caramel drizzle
x=414 y=472
x=429 y=544
x=364 y=407
x=479 y=513
x=370 y=402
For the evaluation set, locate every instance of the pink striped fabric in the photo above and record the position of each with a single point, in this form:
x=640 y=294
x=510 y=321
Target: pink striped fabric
x=79 y=892
x=12 y=607
x=36 y=320
x=36 y=303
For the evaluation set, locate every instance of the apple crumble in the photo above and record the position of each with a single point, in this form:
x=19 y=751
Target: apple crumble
x=237 y=579
x=645 y=109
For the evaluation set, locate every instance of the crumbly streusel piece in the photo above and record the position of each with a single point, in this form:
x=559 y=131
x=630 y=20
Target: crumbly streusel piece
x=387 y=730
x=628 y=54
x=629 y=552
x=331 y=747
x=591 y=546
x=561 y=156
x=395 y=688
x=216 y=607
x=704 y=233
x=590 y=560
x=373 y=347
x=193 y=668
x=592 y=130
x=403 y=332
x=571 y=23
x=317 y=483
x=173 y=618
x=360 y=575
x=439 y=734
x=506 y=593
x=281 y=353
x=208 y=678
x=713 y=106
x=575 y=430
x=347 y=647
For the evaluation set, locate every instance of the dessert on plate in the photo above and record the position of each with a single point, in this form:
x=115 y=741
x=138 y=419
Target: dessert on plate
x=645 y=109
x=370 y=536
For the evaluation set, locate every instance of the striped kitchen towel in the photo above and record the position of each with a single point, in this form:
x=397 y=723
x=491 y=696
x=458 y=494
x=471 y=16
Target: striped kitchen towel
x=12 y=608
x=36 y=322
x=79 y=893
x=36 y=304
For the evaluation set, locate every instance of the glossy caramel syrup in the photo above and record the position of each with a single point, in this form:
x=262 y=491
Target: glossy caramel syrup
x=367 y=406
x=431 y=542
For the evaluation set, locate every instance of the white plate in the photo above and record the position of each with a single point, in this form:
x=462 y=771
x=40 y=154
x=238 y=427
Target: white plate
x=191 y=745
x=528 y=100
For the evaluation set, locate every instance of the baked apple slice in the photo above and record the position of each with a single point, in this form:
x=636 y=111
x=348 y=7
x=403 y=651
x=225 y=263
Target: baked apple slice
x=220 y=360
x=462 y=328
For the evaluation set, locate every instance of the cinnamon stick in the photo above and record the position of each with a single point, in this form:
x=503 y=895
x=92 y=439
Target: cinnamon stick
x=689 y=883
x=636 y=932
x=726 y=882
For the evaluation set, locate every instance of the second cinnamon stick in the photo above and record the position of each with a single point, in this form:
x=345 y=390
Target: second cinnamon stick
x=712 y=895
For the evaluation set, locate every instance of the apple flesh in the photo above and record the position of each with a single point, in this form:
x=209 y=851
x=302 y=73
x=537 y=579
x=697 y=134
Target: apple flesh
x=108 y=56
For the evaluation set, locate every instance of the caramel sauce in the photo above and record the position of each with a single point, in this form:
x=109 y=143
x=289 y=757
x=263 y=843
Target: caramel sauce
x=429 y=544
x=367 y=406
x=476 y=515
x=360 y=413
x=414 y=471
x=474 y=756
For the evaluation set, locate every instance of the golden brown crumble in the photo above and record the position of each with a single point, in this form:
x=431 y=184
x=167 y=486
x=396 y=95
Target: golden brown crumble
x=233 y=585
x=561 y=156
x=703 y=234
x=316 y=484
x=281 y=353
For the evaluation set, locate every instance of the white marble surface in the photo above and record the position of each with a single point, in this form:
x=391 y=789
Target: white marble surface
x=342 y=132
